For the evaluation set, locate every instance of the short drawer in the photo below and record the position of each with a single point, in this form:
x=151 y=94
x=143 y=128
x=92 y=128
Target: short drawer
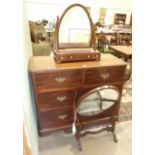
x=104 y=75
x=56 y=118
x=58 y=80
x=80 y=57
x=55 y=99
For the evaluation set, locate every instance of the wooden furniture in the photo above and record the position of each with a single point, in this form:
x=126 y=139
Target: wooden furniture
x=117 y=38
x=102 y=41
x=100 y=101
x=120 y=19
x=122 y=51
x=55 y=86
x=75 y=41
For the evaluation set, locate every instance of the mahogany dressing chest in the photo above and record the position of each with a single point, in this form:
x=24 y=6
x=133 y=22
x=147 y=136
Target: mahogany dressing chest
x=55 y=85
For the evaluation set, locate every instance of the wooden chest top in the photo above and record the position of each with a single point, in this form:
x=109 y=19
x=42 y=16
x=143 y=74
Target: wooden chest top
x=47 y=63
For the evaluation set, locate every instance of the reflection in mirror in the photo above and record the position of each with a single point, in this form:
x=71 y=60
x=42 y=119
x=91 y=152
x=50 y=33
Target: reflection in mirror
x=75 y=27
x=97 y=102
x=41 y=32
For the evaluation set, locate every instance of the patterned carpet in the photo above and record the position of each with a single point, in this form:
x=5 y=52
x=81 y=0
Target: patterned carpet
x=125 y=111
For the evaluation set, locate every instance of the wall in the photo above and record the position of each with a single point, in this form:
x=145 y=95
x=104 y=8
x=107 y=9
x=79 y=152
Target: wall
x=49 y=9
x=28 y=107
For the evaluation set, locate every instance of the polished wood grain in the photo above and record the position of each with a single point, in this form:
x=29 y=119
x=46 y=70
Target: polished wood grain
x=56 y=118
x=55 y=86
x=47 y=63
x=58 y=79
x=104 y=75
x=55 y=100
x=68 y=55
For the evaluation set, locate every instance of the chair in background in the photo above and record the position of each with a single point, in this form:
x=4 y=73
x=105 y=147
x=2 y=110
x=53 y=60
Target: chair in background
x=102 y=41
x=101 y=102
x=39 y=38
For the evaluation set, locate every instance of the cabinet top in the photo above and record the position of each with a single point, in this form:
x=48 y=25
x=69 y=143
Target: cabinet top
x=45 y=63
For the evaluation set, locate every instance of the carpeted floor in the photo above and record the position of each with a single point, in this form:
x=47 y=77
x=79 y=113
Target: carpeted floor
x=125 y=111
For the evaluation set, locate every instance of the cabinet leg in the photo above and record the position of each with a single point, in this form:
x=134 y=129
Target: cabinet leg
x=78 y=141
x=114 y=134
x=114 y=137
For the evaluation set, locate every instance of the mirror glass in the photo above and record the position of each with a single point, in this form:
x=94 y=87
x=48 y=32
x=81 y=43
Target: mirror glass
x=94 y=103
x=75 y=27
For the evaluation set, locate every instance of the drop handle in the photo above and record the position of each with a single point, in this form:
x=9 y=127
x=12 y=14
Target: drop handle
x=105 y=76
x=60 y=79
x=62 y=117
x=61 y=98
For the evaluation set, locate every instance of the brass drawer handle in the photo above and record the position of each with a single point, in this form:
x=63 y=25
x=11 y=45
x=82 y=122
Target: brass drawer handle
x=61 y=98
x=60 y=79
x=105 y=76
x=62 y=117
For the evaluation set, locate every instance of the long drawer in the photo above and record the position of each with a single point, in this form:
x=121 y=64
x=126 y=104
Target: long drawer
x=104 y=75
x=54 y=119
x=58 y=80
x=56 y=99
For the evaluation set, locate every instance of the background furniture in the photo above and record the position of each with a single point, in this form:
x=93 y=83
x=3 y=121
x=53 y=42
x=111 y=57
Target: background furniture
x=125 y=53
x=40 y=38
x=120 y=19
x=102 y=41
x=55 y=86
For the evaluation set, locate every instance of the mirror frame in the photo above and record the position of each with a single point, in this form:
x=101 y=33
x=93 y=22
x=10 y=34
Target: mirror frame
x=76 y=45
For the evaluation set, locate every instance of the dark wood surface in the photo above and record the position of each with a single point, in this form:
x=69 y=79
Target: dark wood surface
x=55 y=86
x=124 y=51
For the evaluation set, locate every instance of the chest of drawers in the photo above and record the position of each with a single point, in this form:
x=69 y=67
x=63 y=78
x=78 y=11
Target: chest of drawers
x=55 y=85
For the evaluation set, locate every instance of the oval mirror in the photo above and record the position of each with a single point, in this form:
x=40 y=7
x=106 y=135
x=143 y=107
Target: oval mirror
x=97 y=101
x=75 y=29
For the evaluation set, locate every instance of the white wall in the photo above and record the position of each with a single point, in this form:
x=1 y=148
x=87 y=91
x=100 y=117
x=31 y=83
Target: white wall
x=29 y=113
x=49 y=9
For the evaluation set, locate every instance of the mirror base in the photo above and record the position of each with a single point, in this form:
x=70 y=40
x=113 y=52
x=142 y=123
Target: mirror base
x=74 y=55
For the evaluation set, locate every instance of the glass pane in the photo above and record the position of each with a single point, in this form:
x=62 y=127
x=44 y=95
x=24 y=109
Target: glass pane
x=94 y=103
x=75 y=27
x=109 y=93
x=90 y=105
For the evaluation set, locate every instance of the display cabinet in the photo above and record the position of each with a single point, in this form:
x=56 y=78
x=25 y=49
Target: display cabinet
x=120 y=19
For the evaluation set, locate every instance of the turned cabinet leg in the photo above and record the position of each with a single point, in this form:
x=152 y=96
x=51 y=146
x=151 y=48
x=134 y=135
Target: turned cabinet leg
x=114 y=137
x=114 y=134
x=78 y=141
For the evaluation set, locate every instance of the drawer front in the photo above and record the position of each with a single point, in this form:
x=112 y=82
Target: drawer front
x=104 y=75
x=55 y=99
x=79 y=57
x=56 y=118
x=58 y=79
